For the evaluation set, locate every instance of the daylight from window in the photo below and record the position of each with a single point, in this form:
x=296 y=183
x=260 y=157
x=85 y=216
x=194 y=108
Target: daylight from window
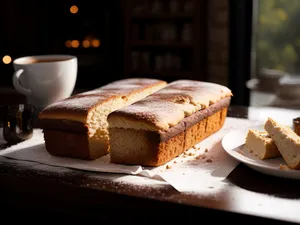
x=278 y=35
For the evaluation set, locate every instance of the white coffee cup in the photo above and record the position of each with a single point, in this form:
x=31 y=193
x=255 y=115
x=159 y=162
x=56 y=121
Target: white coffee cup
x=45 y=79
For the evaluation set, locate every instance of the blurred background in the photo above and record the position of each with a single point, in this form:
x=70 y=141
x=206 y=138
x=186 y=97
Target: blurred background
x=251 y=46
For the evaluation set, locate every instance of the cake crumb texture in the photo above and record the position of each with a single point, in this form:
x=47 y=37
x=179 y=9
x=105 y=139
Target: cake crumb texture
x=144 y=147
x=260 y=144
x=287 y=142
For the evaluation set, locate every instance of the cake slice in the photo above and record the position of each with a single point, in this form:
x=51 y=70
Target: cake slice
x=287 y=142
x=77 y=126
x=261 y=144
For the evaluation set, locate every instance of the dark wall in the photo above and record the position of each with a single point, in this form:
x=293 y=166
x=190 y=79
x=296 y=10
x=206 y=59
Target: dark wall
x=240 y=39
x=42 y=27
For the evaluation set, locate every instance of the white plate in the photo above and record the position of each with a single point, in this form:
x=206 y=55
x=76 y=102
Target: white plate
x=234 y=144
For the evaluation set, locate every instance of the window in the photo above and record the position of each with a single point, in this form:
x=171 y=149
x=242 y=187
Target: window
x=276 y=74
x=278 y=35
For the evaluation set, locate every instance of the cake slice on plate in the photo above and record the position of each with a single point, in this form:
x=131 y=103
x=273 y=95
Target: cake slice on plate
x=261 y=144
x=287 y=142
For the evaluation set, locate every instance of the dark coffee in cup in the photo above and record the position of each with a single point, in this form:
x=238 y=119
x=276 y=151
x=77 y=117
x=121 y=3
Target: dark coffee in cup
x=45 y=60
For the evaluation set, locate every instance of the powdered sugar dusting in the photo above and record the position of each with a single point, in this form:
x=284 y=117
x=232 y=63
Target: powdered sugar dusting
x=81 y=102
x=86 y=100
x=132 y=81
x=168 y=106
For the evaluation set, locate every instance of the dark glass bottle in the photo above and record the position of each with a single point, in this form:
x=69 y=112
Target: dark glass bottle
x=18 y=123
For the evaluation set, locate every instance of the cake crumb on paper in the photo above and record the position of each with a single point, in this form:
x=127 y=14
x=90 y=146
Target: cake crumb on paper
x=199 y=157
x=283 y=167
x=209 y=160
x=206 y=150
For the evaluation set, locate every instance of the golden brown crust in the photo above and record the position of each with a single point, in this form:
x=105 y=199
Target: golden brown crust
x=76 y=108
x=67 y=144
x=204 y=128
x=170 y=105
x=297 y=166
x=145 y=147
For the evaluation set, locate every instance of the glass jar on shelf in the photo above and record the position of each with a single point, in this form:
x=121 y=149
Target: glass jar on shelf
x=164 y=32
x=139 y=8
x=148 y=32
x=168 y=60
x=157 y=6
x=159 y=63
x=187 y=35
x=145 y=58
x=174 y=6
x=135 y=32
x=189 y=6
x=169 y=32
x=135 y=60
x=177 y=62
x=157 y=32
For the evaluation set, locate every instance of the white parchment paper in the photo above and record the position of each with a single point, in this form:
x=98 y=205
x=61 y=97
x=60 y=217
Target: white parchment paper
x=204 y=164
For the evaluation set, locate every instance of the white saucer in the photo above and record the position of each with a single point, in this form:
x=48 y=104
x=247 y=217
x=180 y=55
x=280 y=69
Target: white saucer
x=234 y=144
x=252 y=84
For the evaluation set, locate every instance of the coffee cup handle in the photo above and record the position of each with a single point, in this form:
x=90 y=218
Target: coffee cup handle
x=17 y=84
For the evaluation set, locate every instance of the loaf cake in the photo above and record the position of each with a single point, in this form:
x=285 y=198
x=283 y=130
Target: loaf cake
x=158 y=128
x=261 y=144
x=77 y=126
x=287 y=141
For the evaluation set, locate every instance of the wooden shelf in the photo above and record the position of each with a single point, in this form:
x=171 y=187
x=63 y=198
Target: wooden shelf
x=164 y=73
x=163 y=16
x=145 y=31
x=140 y=43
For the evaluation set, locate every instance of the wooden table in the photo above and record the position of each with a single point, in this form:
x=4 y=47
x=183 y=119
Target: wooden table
x=30 y=191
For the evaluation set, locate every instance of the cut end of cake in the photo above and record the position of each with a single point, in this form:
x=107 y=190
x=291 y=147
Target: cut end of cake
x=261 y=144
x=287 y=142
x=98 y=133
